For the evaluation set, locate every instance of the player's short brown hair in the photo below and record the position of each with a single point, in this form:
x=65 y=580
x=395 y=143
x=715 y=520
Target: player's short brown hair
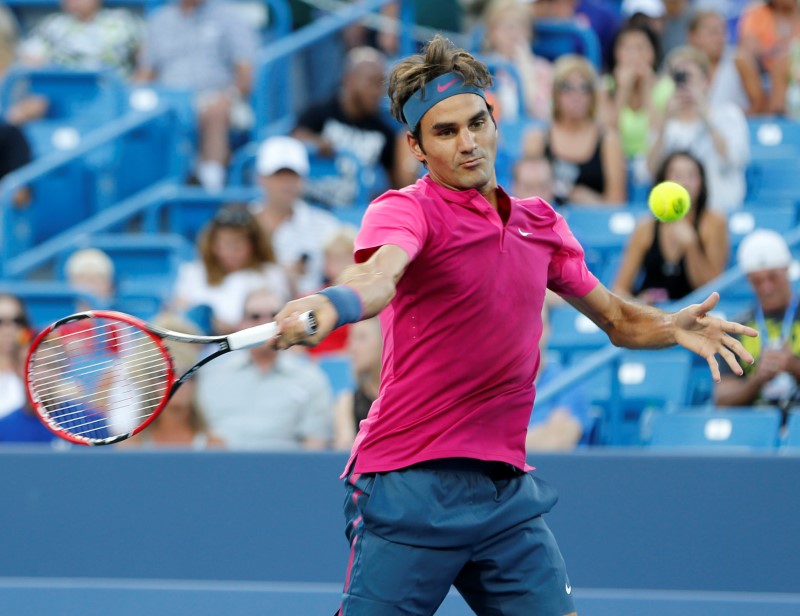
x=438 y=57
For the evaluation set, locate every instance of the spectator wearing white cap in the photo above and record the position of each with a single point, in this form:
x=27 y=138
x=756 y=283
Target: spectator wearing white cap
x=651 y=13
x=298 y=230
x=772 y=378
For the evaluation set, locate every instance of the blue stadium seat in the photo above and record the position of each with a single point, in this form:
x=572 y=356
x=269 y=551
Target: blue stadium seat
x=339 y=370
x=191 y=209
x=751 y=428
x=603 y=232
x=572 y=334
x=141 y=261
x=646 y=380
x=779 y=217
x=773 y=138
x=48 y=301
x=554 y=38
x=792 y=437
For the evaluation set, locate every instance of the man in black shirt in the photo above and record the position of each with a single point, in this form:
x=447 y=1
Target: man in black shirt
x=352 y=122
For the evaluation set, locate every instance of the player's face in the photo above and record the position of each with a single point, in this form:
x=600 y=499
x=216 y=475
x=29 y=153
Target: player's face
x=458 y=143
x=772 y=288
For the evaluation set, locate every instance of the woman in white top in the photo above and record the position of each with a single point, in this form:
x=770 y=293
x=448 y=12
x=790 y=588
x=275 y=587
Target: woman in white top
x=236 y=257
x=716 y=135
x=14 y=333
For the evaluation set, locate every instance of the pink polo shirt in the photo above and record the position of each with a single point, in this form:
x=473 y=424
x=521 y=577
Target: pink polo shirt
x=461 y=335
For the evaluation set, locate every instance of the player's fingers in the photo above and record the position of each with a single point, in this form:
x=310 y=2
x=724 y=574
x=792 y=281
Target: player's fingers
x=709 y=303
x=739 y=329
x=714 y=367
x=730 y=359
x=737 y=347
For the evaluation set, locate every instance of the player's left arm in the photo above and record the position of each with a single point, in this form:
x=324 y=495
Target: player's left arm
x=637 y=326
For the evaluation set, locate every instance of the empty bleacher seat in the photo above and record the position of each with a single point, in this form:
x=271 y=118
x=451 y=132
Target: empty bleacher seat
x=750 y=428
x=553 y=38
x=603 y=232
x=780 y=217
x=48 y=301
x=573 y=334
x=141 y=261
x=792 y=437
x=644 y=380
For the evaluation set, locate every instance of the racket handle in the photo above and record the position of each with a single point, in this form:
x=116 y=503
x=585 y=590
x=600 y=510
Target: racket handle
x=258 y=335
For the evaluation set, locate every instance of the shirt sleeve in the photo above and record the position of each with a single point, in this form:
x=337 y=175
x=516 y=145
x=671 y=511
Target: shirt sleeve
x=242 y=40
x=393 y=218
x=731 y=122
x=568 y=274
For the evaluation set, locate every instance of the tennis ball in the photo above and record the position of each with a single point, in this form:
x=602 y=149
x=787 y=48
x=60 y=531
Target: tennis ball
x=669 y=201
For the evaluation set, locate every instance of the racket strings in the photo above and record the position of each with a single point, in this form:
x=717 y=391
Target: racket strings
x=99 y=378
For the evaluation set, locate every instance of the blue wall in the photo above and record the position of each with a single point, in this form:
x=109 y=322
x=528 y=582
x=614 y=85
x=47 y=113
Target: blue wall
x=625 y=520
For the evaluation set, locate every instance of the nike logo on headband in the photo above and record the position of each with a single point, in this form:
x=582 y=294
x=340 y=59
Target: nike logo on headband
x=442 y=87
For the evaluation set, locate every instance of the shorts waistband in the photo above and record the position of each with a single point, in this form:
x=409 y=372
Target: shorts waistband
x=494 y=469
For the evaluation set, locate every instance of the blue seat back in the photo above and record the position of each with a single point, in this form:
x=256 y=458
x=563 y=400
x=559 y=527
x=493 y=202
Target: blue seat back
x=753 y=428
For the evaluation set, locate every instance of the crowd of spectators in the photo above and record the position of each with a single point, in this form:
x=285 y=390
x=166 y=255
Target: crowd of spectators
x=669 y=100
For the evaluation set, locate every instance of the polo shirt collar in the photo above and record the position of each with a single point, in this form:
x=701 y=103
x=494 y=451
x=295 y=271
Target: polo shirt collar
x=469 y=198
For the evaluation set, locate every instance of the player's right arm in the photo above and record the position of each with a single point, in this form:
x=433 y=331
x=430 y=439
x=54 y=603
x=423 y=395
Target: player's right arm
x=374 y=281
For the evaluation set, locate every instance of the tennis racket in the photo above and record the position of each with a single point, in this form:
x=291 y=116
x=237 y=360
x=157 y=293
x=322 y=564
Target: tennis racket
x=100 y=377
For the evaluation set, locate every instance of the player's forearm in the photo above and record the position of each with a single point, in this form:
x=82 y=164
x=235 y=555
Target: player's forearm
x=374 y=288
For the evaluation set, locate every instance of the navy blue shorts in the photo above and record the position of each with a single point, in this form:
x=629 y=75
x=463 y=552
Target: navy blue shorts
x=474 y=525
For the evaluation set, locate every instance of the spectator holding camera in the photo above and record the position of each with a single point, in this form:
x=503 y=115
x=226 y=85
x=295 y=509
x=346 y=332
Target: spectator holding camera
x=716 y=135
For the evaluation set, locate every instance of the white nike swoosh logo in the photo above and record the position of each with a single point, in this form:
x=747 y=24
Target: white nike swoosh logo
x=568 y=588
x=524 y=233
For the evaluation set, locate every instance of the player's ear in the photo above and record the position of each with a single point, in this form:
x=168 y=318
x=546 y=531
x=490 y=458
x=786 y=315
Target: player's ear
x=415 y=146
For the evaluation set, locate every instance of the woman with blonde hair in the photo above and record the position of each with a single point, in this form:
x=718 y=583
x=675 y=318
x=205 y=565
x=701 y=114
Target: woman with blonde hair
x=588 y=162
x=236 y=257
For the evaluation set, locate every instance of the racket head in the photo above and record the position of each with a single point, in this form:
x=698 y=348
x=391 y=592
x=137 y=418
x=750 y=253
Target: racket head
x=98 y=377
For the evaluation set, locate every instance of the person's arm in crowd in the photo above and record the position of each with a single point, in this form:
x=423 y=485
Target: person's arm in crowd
x=560 y=432
x=742 y=392
x=243 y=78
x=373 y=281
x=706 y=257
x=636 y=326
x=746 y=61
x=633 y=259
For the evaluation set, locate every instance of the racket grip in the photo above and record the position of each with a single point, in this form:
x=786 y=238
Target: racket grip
x=258 y=335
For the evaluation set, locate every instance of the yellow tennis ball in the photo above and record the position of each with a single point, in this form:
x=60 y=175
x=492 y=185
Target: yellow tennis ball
x=669 y=201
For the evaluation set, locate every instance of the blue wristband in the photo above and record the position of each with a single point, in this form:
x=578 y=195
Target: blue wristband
x=347 y=303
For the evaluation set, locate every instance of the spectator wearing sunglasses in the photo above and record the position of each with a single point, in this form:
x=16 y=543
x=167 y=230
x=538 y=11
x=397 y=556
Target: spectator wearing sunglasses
x=588 y=162
x=14 y=333
x=236 y=257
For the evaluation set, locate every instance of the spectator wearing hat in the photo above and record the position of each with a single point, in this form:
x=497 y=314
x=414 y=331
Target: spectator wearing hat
x=298 y=230
x=772 y=379
x=651 y=13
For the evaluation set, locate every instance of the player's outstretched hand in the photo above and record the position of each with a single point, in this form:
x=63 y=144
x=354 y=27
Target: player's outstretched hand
x=709 y=336
x=291 y=330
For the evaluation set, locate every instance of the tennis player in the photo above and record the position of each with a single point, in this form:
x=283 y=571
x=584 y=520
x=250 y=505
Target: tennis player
x=439 y=493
